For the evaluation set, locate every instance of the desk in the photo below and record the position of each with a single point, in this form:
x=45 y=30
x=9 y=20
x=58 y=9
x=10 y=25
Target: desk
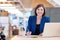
x=39 y=38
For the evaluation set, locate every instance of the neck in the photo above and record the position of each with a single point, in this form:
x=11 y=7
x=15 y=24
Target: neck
x=39 y=16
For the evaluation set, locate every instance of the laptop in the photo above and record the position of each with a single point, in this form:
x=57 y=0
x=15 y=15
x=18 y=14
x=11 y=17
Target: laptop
x=51 y=30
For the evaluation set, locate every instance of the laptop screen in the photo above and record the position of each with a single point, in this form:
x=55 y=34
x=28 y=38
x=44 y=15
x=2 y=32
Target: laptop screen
x=51 y=29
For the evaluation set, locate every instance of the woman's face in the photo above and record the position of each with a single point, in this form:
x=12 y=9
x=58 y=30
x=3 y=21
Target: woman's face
x=40 y=11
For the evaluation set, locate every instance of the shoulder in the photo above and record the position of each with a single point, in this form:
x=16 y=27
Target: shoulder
x=32 y=16
x=46 y=17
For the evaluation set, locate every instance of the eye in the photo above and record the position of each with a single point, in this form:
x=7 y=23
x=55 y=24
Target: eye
x=38 y=9
x=41 y=9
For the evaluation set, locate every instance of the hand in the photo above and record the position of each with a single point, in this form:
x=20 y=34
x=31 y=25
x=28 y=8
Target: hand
x=41 y=34
x=28 y=33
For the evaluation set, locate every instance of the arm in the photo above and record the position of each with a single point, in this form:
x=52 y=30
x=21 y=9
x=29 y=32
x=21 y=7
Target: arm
x=28 y=29
x=47 y=20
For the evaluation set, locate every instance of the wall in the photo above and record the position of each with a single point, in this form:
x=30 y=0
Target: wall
x=54 y=14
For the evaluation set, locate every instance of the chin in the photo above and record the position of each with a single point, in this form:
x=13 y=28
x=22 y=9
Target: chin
x=39 y=15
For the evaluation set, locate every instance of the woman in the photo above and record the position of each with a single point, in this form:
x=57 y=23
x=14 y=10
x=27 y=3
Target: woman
x=36 y=22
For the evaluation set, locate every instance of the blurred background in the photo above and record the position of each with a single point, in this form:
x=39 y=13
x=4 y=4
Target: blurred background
x=15 y=13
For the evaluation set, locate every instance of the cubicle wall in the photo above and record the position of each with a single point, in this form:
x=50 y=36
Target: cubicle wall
x=53 y=13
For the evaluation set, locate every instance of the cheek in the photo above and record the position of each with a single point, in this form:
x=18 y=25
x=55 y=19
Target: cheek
x=40 y=12
x=36 y=11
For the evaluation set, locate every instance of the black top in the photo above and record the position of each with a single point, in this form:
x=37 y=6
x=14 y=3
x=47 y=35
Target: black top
x=37 y=30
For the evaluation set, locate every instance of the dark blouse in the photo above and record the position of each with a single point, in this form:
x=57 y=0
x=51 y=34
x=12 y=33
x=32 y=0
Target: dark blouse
x=37 y=30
